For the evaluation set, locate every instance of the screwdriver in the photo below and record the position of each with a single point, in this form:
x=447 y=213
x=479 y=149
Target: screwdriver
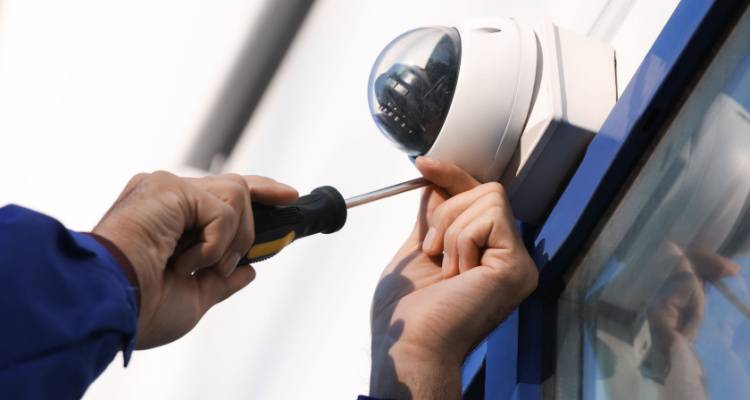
x=324 y=210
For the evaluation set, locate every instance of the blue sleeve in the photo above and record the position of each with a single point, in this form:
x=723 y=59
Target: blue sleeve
x=68 y=308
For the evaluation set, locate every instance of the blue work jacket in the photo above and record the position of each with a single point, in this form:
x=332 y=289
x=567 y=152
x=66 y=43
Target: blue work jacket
x=67 y=306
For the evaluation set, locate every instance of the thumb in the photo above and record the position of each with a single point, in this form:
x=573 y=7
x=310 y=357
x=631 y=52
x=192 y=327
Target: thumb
x=446 y=175
x=268 y=191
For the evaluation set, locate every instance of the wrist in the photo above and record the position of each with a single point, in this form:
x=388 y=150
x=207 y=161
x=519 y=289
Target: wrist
x=141 y=259
x=122 y=261
x=400 y=371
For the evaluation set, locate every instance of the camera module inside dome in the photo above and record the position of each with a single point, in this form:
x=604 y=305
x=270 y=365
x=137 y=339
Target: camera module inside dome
x=412 y=84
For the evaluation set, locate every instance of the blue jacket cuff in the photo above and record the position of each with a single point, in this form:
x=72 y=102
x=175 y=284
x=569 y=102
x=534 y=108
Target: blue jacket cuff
x=87 y=242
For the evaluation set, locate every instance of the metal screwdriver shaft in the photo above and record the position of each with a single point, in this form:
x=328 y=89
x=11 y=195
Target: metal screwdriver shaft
x=386 y=192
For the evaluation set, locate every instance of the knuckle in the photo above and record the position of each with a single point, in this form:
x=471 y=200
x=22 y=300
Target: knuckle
x=521 y=273
x=438 y=218
x=242 y=191
x=531 y=273
x=237 y=178
x=229 y=213
x=163 y=180
x=496 y=213
x=211 y=254
x=531 y=282
x=444 y=215
x=237 y=181
x=496 y=191
x=237 y=195
x=235 y=189
x=452 y=234
x=439 y=212
x=154 y=182
x=465 y=238
x=495 y=187
x=163 y=175
x=495 y=199
x=134 y=182
x=137 y=178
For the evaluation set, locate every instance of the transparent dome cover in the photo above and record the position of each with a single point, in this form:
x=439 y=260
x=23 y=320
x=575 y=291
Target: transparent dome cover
x=412 y=84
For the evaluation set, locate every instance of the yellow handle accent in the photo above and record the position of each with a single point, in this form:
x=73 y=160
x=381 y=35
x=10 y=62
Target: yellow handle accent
x=272 y=247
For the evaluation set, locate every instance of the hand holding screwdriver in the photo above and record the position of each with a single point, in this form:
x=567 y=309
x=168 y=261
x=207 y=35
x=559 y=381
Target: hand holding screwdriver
x=322 y=211
x=183 y=238
x=186 y=236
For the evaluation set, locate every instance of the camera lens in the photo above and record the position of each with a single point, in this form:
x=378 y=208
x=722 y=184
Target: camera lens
x=412 y=84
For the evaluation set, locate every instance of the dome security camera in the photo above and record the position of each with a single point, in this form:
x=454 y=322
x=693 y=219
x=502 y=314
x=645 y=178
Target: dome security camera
x=504 y=102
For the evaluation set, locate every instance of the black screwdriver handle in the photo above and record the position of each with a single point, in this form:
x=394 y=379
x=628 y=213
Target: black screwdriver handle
x=321 y=211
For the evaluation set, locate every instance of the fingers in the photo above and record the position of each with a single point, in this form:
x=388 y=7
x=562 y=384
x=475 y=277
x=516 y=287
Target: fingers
x=469 y=234
x=233 y=190
x=445 y=214
x=452 y=228
x=268 y=191
x=465 y=226
x=227 y=232
x=447 y=176
x=448 y=180
x=217 y=222
x=711 y=266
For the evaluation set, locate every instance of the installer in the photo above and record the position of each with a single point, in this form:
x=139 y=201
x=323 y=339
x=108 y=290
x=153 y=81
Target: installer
x=168 y=250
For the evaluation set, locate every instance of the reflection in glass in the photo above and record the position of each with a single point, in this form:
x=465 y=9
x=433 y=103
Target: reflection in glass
x=660 y=305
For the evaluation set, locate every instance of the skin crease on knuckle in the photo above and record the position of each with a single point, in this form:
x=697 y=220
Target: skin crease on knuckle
x=163 y=177
x=237 y=179
x=488 y=195
x=467 y=239
x=468 y=250
x=226 y=228
x=236 y=189
x=451 y=238
x=135 y=181
x=496 y=187
x=235 y=195
x=516 y=269
x=443 y=219
x=442 y=216
x=231 y=217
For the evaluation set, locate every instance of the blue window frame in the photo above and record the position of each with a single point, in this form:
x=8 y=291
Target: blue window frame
x=519 y=356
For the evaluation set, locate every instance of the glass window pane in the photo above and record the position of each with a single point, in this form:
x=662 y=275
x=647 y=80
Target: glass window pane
x=659 y=307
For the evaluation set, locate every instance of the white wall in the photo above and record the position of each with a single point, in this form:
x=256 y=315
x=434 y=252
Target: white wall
x=93 y=91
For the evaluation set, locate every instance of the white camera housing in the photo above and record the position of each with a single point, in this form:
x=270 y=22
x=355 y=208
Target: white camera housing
x=519 y=106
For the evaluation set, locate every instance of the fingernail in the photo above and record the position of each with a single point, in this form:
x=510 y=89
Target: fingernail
x=446 y=263
x=429 y=161
x=233 y=261
x=429 y=240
